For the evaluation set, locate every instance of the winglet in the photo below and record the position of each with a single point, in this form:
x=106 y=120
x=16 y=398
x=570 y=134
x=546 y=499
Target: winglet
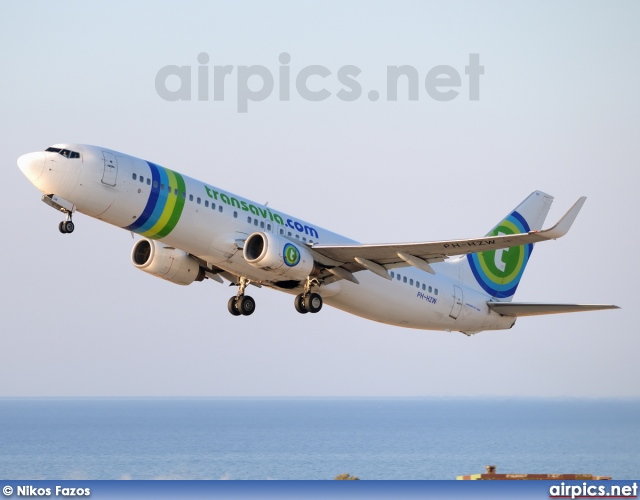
x=565 y=223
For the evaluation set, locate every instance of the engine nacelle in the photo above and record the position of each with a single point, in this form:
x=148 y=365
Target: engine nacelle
x=278 y=255
x=166 y=262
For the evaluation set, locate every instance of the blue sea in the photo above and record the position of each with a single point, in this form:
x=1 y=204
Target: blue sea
x=314 y=438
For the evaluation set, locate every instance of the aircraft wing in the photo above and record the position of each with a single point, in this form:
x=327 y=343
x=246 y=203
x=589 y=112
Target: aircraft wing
x=534 y=309
x=379 y=257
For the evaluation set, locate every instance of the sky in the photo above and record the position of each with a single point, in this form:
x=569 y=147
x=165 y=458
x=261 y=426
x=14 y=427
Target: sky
x=555 y=109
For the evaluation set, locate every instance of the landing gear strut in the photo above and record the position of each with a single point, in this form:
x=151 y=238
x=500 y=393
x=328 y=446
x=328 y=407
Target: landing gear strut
x=308 y=301
x=67 y=226
x=241 y=304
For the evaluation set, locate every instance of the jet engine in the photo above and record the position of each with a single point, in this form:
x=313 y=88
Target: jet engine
x=166 y=262
x=278 y=255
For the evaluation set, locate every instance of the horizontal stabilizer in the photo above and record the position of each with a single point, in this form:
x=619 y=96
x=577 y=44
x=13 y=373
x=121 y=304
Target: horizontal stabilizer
x=535 y=309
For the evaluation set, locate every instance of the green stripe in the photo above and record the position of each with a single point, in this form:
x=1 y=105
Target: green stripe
x=177 y=210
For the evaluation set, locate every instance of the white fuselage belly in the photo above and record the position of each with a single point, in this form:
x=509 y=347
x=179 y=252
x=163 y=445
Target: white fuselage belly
x=212 y=235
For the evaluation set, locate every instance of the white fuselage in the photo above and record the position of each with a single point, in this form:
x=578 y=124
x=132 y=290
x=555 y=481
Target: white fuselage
x=213 y=223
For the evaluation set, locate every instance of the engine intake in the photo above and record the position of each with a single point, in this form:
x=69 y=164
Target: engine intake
x=278 y=255
x=168 y=263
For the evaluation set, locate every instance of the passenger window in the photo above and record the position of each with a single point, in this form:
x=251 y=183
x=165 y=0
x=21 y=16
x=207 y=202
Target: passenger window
x=411 y=282
x=134 y=176
x=392 y=274
x=235 y=214
x=199 y=201
x=155 y=184
x=184 y=195
x=262 y=225
x=398 y=277
x=269 y=227
x=424 y=287
x=255 y=222
x=249 y=219
x=175 y=191
x=213 y=205
x=206 y=203
x=220 y=208
x=430 y=290
x=417 y=284
x=297 y=236
x=404 y=279
x=148 y=181
x=141 y=179
x=436 y=292
x=304 y=239
x=289 y=233
x=190 y=197
x=161 y=187
x=282 y=231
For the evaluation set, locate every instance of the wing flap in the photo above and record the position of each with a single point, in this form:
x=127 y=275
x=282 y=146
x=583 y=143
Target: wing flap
x=518 y=309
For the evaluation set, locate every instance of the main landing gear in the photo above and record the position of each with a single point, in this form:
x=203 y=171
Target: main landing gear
x=308 y=301
x=67 y=226
x=241 y=304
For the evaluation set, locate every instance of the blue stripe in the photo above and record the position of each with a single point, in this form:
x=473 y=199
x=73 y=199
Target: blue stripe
x=151 y=202
x=522 y=221
x=163 y=195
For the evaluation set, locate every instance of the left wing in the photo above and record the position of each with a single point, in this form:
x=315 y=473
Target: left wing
x=533 y=309
x=377 y=258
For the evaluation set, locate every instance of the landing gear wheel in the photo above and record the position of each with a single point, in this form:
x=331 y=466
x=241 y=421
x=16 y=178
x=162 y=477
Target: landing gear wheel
x=61 y=227
x=231 y=305
x=246 y=305
x=313 y=303
x=299 y=303
x=68 y=226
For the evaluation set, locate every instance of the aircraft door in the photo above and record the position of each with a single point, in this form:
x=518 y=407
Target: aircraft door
x=457 y=302
x=110 y=173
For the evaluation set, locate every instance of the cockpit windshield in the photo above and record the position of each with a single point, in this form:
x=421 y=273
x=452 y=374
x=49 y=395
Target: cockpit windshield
x=67 y=153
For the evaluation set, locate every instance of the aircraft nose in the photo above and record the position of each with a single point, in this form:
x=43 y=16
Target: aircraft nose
x=32 y=165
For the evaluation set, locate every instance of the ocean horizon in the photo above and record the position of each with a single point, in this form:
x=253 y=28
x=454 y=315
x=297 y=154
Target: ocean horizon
x=315 y=437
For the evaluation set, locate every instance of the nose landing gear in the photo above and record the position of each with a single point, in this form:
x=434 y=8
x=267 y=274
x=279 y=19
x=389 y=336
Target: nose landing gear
x=67 y=226
x=308 y=301
x=64 y=206
x=241 y=304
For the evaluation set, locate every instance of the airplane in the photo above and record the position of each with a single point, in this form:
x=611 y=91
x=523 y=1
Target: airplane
x=191 y=231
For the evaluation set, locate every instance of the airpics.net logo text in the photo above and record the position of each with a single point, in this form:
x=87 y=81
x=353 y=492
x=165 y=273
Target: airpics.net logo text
x=257 y=83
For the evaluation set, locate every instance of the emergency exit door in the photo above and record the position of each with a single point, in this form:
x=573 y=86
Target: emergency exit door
x=457 y=302
x=110 y=173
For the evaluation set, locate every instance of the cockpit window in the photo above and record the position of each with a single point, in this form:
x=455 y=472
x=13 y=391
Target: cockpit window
x=67 y=153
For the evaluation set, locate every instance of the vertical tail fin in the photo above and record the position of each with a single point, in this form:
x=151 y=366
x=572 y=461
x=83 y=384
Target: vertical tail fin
x=498 y=272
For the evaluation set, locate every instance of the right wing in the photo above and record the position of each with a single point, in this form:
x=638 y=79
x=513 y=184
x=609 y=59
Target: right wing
x=377 y=258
